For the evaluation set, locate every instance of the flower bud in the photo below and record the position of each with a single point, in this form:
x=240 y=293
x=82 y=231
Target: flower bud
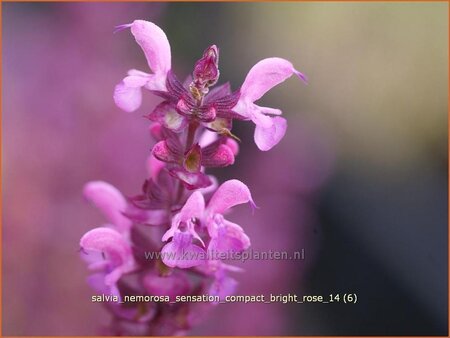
x=206 y=70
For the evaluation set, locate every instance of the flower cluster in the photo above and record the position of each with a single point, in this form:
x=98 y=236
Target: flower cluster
x=181 y=210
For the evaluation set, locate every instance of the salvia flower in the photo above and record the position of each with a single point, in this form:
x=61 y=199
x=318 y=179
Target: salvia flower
x=166 y=240
x=192 y=101
x=194 y=216
x=108 y=254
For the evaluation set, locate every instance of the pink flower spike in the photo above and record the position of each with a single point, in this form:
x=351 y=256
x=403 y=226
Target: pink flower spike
x=266 y=138
x=110 y=201
x=181 y=253
x=229 y=194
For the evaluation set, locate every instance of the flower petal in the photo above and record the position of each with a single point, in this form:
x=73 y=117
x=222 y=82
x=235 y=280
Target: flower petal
x=227 y=237
x=127 y=98
x=109 y=242
x=211 y=188
x=207 y=137
x=217 y=267
x=266 y=138
x=155 y=45
x=218 y=92
x=265 y=75
x=97 y=282
x=182 y=253
x=173 y=228
x=268 y=110
x=259 y=118
x=136 y=78
x=229 y=194
x=193 y=208
x=110 y=201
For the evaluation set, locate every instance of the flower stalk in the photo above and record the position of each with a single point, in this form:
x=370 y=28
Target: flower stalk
x=179 y=200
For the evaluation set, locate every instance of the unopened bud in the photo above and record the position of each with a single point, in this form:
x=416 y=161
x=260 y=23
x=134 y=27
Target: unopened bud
x=206 y=70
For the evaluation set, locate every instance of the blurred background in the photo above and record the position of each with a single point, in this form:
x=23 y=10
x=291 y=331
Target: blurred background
x=359 y=181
